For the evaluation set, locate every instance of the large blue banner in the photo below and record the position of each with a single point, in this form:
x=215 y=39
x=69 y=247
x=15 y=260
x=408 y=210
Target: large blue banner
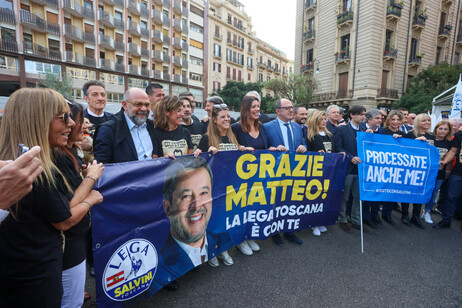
x=161 y=218
x=396 y=169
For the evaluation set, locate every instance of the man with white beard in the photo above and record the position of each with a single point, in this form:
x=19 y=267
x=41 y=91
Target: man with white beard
x=129 y=135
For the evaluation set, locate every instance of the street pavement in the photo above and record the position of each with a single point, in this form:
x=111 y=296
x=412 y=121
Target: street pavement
x=401 y=267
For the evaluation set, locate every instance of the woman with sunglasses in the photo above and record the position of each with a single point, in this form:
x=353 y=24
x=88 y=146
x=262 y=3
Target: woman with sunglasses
x=442 y=133
x=251 y=134
x=31 y=237
x=69 y=160
x=421 y=131
x=173 y=139
x=219 y=137
x=319 y=139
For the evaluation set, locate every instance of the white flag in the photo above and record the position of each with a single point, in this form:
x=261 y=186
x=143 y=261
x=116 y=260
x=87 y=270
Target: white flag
x=456 y=101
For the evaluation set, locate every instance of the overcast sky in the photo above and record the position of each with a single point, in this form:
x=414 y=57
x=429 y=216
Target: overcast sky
x=274 y=22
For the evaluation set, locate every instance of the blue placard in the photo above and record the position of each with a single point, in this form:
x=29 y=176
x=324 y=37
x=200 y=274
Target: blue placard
x=396 y=169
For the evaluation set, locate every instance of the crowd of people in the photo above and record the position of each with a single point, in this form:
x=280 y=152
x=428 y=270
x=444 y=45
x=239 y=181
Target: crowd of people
x=48 y=190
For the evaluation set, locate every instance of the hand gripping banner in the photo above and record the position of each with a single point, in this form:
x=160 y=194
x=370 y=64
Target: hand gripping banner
x=161 y=218
x=396 y=169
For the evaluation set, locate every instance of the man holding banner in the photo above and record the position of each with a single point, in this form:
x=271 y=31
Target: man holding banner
x=345 y=142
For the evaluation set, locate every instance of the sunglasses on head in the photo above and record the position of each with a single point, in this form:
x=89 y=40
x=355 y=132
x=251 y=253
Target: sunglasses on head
x=221 y=106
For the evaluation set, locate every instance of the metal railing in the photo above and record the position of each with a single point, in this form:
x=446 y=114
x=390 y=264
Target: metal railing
x=9 y=45
x=389 y=93
x=344 y=17
x=390 y=52
x=309 y=35
x=7 y=15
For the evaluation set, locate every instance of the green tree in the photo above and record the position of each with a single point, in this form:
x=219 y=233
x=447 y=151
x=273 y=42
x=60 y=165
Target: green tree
x=426 y=85
x=297 y=88
x=233 y=92
x=53 y=81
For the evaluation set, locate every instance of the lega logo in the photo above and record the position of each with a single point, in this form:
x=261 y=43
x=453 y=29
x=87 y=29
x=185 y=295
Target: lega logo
x=130 y=270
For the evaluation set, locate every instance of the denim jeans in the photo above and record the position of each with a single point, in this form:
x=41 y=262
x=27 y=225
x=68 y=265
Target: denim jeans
x=429 y=205
x=453 y=196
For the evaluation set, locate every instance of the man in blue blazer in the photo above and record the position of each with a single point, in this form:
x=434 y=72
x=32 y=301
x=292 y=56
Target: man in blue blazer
x=345 y=142
x=129 y=134
x=285 y=135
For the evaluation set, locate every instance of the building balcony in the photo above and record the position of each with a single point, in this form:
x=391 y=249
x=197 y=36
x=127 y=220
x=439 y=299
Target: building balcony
x=144 y=53
x=9 y=45
x=157 y=55
x=177 y=78
x=459 y=40
x=229 y=41
x=342 y=57
x=89 y=61
x=390 y=54
x=119 y=24
x=145 y=72
x=217 y=55
x=270 y=68
x=178 y=25
x=185 y=11
x=166 y=40
x=89 y=37
x=144 y=12
x=218 y=36
x=133 y=28
x=73 y=33
x=166 y=21
x=418 y=23
x=41 y=51
x=345 y=19
x=261 y=65
x=119 y=3
x=178 y=61
x=73 y=57
x=134 y=69
x=177 y=43
x=157 y=74
x=394 y=12
x=107 y=64
x=53 y=3
x=106 y=19
x=250 y=50
x=178 y=7
x=443 y=32
x=415 y=61
x=184 y=46
x=166 y=58
x=387 y=93
x=134 y=49
x=166 y=3
x=119 y=46
x=310 y=5
x=110 y=2
x=166 y=76
x=73 y=7
x=119 y=67
x=53 y=28
x=307 y=68
x=157 y=36
x=309 y=35
x=134 y=7
x=250 y=67
x=88 y=13
x=106 y=42
x=7 y=15
x=157 y=16
x=32 y=21
x=144 y=32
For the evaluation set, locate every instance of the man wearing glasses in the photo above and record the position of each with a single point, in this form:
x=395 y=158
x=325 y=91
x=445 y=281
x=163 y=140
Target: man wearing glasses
x=129 y=135
x=285 y=135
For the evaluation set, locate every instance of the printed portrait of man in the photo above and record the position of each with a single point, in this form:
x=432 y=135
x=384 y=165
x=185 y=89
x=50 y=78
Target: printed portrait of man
x=188 y=205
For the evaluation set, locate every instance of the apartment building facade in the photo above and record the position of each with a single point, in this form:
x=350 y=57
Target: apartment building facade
x=366 y=52
x=124 y=43
x=235 y=52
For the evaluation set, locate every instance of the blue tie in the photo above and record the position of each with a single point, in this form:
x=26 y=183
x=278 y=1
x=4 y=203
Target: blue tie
x=289 y=136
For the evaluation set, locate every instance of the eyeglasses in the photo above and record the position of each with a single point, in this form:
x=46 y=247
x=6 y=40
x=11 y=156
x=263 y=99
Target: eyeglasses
x=65 y=117
x=412 y=118
x=221 y=106
x=140 y=104
x=287 y=108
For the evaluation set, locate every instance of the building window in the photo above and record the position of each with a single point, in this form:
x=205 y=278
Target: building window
x=216 y=67
x=456 y=58
x=249 y=62
x=197 y=61
x=229 y=54
x=260 y=77
x=248 y=76
x=196 y=28
x=414 y=43
x=309 y=56
x=345 y=44
x=217 y=50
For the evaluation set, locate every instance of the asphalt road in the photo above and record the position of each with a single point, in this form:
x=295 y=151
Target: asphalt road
x=401 y=267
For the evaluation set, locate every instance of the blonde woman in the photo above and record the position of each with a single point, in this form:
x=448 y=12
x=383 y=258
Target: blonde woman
x=31 y=241
x=319 y=139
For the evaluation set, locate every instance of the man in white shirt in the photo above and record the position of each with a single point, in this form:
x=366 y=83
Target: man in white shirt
x=94 y=93
x=16 y=179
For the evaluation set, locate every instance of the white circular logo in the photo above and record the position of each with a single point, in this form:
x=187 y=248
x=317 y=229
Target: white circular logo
x=130 y=270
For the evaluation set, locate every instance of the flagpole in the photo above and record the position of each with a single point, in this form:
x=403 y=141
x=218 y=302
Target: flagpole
x=361 y=218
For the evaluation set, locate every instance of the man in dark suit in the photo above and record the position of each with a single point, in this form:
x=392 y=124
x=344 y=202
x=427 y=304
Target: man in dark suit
x=333 y=118
x=94 y=93
x=285 y=135
x=300 y=116
x=188 y=205
x=345 y=142
x=405 y=128
x=129 y=135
